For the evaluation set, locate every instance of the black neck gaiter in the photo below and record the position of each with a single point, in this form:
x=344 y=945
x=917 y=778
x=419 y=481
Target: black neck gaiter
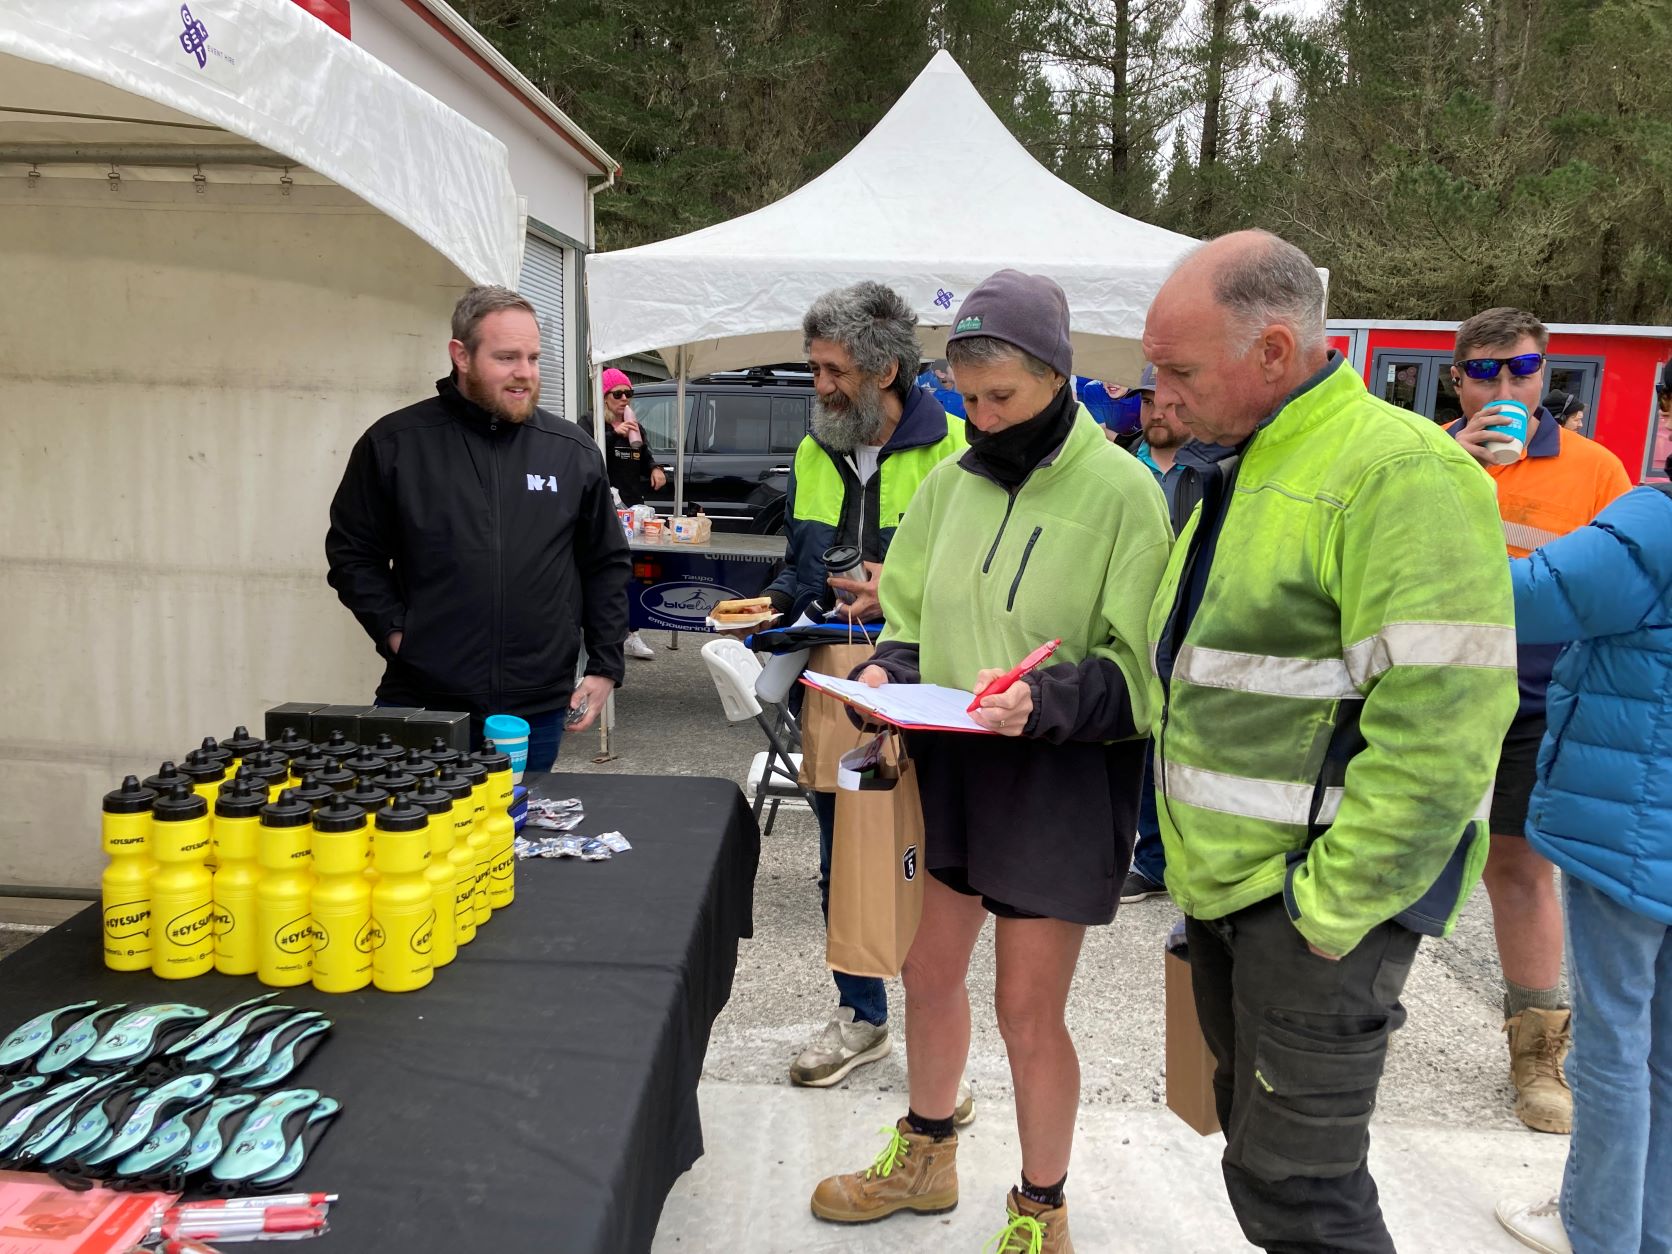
x=1010 y=456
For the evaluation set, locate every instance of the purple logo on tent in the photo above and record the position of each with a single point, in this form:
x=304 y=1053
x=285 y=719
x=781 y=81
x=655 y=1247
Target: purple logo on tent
x=943 y=298
x=195 y=38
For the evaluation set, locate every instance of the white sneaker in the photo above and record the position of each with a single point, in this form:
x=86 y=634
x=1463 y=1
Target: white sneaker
x=1537 y=1225
x=843 y=1045
x=636 y=647
x=963 y=1114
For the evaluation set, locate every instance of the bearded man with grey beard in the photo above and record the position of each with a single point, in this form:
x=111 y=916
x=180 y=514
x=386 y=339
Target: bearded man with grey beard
x=875 y=437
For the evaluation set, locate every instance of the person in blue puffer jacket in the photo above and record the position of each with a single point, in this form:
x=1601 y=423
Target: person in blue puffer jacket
x=1602 y=812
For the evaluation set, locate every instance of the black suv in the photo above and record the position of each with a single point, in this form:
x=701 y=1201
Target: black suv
x=742 y=429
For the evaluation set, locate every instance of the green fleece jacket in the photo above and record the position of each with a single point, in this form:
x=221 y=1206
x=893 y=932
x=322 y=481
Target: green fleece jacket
x=978 y=577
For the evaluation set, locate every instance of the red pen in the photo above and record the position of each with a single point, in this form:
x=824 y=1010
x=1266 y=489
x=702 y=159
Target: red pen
x=1011 y=676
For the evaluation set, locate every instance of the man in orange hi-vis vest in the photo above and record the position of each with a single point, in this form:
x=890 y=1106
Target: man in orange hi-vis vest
x=1560 y=481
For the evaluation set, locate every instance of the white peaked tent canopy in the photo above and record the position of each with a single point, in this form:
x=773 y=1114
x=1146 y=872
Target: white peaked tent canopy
x=937 y=197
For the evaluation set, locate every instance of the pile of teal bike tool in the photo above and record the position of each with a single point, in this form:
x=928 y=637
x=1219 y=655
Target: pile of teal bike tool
x=163 y=1096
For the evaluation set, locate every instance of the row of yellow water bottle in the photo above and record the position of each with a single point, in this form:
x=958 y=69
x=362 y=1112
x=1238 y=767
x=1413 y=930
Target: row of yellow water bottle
x=320 y=872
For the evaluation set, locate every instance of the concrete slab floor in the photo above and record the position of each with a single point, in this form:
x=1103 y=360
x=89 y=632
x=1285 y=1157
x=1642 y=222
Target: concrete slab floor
x=1142 y=1182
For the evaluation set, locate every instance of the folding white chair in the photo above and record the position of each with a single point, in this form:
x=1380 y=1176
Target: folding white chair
x=774 y=773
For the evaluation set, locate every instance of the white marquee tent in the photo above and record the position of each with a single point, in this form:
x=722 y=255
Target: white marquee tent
x=937 y=197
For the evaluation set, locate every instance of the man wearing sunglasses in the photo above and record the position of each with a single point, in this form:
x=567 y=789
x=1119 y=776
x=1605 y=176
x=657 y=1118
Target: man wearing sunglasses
x=1558 y=484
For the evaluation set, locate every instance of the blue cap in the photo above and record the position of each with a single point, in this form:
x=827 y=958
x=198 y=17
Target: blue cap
x=1146 y=380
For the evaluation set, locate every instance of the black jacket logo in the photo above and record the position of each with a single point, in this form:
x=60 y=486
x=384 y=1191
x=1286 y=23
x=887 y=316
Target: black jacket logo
x=908 y=864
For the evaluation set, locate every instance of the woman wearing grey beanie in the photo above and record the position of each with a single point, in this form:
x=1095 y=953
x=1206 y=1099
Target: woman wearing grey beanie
x=1041 y=531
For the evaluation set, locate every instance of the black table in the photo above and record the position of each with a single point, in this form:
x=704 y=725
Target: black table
x=541 y=1093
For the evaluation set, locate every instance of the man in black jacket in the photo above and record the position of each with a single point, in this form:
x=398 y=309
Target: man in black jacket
x=474 y=537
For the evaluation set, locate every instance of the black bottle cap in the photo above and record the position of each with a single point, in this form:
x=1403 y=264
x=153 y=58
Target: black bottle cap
x=490 y=758
x=339 y=815
x=166 y=777
x=430 y=796
x=270 y=768
x=441 y=752
x=212 y=748
x=453 y=784
x=179 y=804
x=471 y=770
x=418 y=764
x=386 y=747
x=288 y=811
x=132 y=797
x=307 y=762
x=336 y=776
x=241 y=798
x=394 y=781
x=241 y=744
x=313 y=792
x=291 y=743
x=402 y=815
x=338 y=746
x=362 y=762
x=203 y=769
x=367 y=795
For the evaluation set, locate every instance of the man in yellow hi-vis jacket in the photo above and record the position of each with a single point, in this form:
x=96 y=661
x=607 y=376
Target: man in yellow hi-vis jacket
x=1335 y=653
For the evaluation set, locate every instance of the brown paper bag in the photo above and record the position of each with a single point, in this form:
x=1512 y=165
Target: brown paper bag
x=826 y=730
x=876 y=870
x=1190 y=1062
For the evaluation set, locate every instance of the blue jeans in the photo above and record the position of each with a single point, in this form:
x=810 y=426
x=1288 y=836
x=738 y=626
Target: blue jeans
x=545 y=738
x=865 y=995
x=1620 y=967
x=1149 y=859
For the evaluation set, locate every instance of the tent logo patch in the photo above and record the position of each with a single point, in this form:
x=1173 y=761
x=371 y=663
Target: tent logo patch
x=943 y=298
x=194 y=40
x=972 y=323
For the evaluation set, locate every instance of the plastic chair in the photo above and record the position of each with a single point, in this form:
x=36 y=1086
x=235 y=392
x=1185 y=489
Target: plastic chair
x=774 y=773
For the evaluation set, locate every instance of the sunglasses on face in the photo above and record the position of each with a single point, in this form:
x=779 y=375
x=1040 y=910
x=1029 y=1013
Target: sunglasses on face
x=621 y=394
x=1485 y=369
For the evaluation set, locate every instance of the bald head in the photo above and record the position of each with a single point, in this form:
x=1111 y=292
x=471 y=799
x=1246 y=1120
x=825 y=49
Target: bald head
x=1236 y=328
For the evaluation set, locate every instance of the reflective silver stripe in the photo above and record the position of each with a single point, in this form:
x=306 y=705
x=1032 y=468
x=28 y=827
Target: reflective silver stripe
x=1523 y=536
x=1325 y=679
x=1483 y=812
x=1430 y=644
x=1265 y=799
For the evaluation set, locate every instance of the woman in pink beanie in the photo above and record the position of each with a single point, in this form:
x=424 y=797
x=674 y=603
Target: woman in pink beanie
x=634 y=473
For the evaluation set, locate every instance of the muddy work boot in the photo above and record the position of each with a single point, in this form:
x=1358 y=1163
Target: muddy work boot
x=1033 y=1228
x=1538 y=1042
x=912 y=1173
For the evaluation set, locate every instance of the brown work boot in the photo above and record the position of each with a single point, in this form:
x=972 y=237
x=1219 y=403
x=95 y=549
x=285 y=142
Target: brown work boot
x=912 y=1173
x=1538 y=1042
x=1033 y=1228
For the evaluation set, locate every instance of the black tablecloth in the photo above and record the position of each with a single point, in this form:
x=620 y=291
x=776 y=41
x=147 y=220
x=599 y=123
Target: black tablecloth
x=541 y=1093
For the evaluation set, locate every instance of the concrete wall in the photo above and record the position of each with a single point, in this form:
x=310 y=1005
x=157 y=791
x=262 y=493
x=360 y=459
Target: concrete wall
x=183 y=376
x=548 y=173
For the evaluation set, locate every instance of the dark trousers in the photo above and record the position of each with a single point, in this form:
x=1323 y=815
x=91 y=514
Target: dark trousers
x=1149 y=859
x=1299 y=1043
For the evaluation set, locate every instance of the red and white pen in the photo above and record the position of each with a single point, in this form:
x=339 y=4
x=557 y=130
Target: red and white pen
x=1003 y=682
x=246 y=1224
x=255 y=1203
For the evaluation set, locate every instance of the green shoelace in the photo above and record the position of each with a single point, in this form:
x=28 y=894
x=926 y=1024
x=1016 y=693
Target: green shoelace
x=896 y=1149
x=1022 y=1235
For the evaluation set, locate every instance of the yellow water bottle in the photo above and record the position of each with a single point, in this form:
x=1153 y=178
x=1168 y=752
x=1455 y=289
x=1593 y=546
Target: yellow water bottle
x=284 y=923
x=403 y=916
x=311 y=790
x=125 y=887
x=207 y=772
x=166 y=777
x=441 y=754
x=308 y=762
x=370 y=798
x=481 y=843
x=502 y=832
x=235 y=836
x=240 y=745
x=442 y=875
x=272 y=768
x=342 y=900
x=182 y=904
x=461 y=855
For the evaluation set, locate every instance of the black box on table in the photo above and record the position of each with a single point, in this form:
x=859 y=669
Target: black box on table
x=332 y=718
x=292 y=714
x=386 y=720
x=420 y=729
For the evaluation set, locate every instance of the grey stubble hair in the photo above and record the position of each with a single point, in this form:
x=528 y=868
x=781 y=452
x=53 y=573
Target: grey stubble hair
x=1276 y=283
x=874 y=323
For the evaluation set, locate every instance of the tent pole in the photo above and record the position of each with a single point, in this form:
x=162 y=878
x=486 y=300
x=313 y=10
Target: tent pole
x=679 y=439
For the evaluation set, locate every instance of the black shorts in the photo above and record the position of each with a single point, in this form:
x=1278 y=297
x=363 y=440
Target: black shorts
x=957 y=879
x=1517 y=773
